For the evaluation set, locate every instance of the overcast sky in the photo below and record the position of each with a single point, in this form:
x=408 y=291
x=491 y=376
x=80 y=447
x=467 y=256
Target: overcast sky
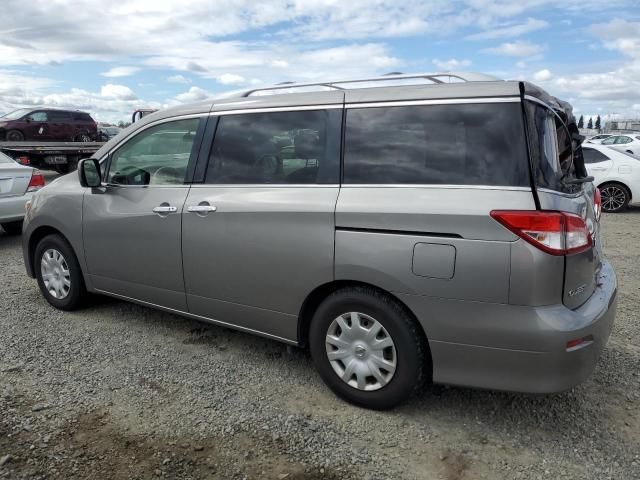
x=111 y=57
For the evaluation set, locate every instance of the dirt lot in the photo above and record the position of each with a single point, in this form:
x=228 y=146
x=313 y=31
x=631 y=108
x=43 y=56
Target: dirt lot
x=120 y=391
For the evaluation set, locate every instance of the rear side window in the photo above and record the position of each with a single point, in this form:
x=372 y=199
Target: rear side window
x=593 y=156
x=551 y=149
x=300 y=147
x=56 y=116
x=82 y=117
x=467 y=144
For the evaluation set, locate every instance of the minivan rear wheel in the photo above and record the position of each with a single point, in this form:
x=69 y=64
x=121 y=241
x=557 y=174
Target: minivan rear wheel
x=615 y=197
x=58 y=273
x=14 y=136
x=367 y=348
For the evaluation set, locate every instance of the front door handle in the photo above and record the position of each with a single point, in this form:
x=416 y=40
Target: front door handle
x=165 y=208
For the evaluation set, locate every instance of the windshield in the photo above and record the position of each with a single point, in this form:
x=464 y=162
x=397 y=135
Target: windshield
x=15 y=114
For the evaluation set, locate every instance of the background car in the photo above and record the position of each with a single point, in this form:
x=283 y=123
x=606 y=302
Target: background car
x=599 y=138
x=46 y=124
x=107 y=133
x=630 y=142
x=17 y=184
x=616 y=173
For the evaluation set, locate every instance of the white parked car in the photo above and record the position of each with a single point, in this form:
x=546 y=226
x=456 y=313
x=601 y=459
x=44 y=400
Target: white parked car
x=599 y=138
x=616 y=173
x=630 y=142
x=17 y=184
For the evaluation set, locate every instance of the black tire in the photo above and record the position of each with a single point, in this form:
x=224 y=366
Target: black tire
x=410 y=346
x=14 y=136
x=615 y=197
x=82 y=137
x=76 y=291
x=12 y=228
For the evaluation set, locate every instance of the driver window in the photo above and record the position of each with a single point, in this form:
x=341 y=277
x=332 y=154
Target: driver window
x=38 y=117
x=273 y=148
x=157 y=156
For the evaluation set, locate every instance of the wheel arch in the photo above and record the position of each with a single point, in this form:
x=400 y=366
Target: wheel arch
x=321 y=292
x=38 y=234
x=617 y=182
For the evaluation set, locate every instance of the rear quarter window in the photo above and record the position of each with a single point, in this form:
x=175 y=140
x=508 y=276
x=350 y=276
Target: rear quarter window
x=466 y=144
x=551 y=149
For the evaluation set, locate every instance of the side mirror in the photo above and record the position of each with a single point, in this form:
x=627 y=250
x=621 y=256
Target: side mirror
x=89 y=173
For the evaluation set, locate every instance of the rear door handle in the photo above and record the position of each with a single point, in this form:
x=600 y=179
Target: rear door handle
x=201 y=208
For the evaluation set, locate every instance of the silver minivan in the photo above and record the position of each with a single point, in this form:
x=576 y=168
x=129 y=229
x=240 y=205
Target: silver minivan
x=442 y=228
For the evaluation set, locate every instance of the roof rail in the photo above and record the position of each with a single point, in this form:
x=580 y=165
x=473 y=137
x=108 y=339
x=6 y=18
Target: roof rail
x=433 y=77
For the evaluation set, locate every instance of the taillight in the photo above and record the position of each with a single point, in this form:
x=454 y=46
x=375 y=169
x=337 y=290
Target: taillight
x=597 y=203
x=36 y=182
x=557 y=233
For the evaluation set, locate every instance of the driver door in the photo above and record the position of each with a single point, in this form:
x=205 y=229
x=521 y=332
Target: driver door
x=132 y=227
x=37 y=126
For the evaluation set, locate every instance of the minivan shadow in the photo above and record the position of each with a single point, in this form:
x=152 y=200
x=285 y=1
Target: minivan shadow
x=554 y=414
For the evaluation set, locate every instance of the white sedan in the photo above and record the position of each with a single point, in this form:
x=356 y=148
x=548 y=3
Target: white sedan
x=616 y=173
x=628 y=142
x=17 y=184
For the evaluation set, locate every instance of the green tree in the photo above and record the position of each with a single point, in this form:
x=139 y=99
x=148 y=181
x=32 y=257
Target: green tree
x=590 y=124
x=581 y=122
x=597 y=125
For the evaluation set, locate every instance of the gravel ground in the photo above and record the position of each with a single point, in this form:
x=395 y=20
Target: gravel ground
x=121 y=391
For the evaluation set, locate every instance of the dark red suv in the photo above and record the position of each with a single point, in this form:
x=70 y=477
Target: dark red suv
x=47 y=124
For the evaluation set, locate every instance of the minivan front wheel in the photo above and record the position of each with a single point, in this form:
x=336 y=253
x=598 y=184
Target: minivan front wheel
x=615 y=197
x=58 y=273
x=367 y=348
x=14 y=136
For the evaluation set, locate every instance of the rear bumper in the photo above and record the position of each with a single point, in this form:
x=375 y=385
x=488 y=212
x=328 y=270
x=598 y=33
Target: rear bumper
x=12 y=208
x=515 y=348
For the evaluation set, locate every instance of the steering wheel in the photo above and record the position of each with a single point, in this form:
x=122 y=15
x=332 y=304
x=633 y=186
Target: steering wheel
x=164 y=171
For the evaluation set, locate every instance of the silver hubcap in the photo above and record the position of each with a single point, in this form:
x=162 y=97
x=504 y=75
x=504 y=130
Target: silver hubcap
x=55 y=274
x=613 y=198
x=361 y=351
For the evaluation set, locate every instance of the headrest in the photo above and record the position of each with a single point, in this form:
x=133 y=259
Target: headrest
x=306 y=144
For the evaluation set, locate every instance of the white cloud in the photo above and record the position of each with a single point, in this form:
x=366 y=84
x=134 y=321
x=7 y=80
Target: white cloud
x=119 y=92
x=542 y=75
x=516 y=49
x=231 y=79
x=120 y=72
x=178 y=79
x=194 y=94
x=451 y=65
x=508 y=31
x=520 y=64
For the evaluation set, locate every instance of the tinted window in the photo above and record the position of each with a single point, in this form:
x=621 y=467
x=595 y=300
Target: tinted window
x=472 y=144
x=609 y=141
x=593 y=156
x=276 y=148
x=55 y=116
x=623 y=139
x=157 y=156
x=551 y=149
x=81 y=116
x=38 y=117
